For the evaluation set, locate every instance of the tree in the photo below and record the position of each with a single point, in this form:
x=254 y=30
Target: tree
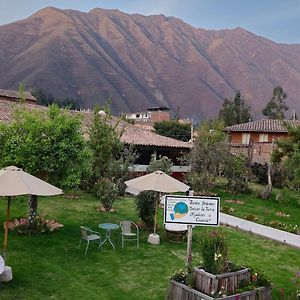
x=46 y=99
x=173 y=129
x=47 y=144
x=104 y=142
x=235 y=111
x=209 y=155
x=287 y=155
x=276 y=106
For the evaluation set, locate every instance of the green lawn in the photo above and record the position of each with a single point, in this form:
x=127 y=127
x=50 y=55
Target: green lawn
x=50 y=266
x=287 y=213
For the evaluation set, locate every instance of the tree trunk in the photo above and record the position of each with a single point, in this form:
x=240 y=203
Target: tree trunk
x=32 y=203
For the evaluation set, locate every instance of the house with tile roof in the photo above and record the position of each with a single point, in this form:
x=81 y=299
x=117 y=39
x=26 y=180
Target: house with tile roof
x=145 y=142
x=12 y=95
x=255 y=138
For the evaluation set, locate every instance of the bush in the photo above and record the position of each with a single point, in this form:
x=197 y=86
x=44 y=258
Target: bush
x=213 y=249
x=107 y=190
x=260 y=174
x=163 y=163
x=145 y=206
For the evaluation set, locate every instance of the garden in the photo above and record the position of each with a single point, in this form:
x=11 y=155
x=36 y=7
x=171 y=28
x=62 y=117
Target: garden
x=46 y=260
x=50 y=265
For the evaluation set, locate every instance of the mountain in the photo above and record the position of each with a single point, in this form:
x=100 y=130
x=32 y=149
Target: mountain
x=142 y=61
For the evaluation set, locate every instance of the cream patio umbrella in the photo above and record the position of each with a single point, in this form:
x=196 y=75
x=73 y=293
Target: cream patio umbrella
x=15 y=182
x=157 y=181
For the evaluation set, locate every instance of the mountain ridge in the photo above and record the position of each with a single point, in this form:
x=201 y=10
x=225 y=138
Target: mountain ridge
x=143 y=61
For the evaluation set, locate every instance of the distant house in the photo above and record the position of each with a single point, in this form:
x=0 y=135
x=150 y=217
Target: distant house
x=152 y=115
x=255 y=138
x=8 y=100
x=148 y=143
x=145 y=142
x=12 y=95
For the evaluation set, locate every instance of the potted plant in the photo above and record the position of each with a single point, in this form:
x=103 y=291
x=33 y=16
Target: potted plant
x=218 y=278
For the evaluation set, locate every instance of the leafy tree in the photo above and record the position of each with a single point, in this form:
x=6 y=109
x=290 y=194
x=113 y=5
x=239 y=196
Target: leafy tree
x=276 y=106
x=236 y=171
x=173 y=129
x=235 y=111
x=48 y=99
x=47 y=144
x=104 y=142
x=209 y=155
x=287 y=156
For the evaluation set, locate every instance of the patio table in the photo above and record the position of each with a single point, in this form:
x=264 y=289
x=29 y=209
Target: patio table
x=108 y=227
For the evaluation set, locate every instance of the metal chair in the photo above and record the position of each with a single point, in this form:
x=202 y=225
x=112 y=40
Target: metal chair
x=89 y=235
x=127 y=234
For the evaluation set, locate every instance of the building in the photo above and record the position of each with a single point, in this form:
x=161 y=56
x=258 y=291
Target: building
x=145 y=142
x=152 y=115
x=11 y=95
x=255 y=138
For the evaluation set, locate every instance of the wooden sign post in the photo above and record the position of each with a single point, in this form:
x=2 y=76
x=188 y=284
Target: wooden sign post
x=191 y=210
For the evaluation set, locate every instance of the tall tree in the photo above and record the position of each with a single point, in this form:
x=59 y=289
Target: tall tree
x=287 y=154
x=276 y=106
x=235 y=111
x=209 y=154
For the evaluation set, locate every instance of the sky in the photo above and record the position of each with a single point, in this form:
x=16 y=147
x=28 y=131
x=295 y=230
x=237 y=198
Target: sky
x=278 y=20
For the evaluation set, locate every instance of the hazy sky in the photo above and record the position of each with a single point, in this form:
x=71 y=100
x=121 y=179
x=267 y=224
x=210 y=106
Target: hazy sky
x=278 y=20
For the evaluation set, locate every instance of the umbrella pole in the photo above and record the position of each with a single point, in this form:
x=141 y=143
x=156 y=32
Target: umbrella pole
x=155 y=215
x=6 y=227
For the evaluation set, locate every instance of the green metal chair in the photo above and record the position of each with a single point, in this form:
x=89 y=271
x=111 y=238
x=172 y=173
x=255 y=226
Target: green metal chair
x=89 y=235
x=127 y=234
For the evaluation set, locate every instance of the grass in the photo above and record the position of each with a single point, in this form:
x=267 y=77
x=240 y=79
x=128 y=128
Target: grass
x=266 y=210
x=50 y=266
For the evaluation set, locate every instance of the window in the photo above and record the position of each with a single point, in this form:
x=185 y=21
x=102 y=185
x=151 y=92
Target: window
x=263 y=138
x=245 y=138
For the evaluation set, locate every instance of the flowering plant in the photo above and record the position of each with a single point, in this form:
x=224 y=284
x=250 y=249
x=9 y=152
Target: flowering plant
x=179 y=276
x=213 y=249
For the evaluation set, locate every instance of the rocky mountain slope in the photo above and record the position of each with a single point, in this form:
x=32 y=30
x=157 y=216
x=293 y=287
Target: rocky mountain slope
x=143 y=61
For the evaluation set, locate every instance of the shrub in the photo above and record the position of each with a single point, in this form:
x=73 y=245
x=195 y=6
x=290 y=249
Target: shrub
x=163 y=163
x=107 y=190
x=213 y=249
x=227 y=209
x=145 y=206
x=38 y=225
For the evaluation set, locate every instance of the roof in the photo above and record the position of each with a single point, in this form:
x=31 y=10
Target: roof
x=132 y=135
x=264 y=125
x=15 y=94
x=158 y=108
x=135 y=135
x=7 y=108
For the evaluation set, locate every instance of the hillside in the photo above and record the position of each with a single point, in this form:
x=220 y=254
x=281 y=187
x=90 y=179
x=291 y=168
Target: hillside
x=144 y=61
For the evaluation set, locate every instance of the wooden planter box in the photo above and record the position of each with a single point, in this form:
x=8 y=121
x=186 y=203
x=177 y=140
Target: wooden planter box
x=206 y=282
x=179 y=291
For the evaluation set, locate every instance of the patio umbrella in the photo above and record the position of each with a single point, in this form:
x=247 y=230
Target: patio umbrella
x=15 y=182
x=157 y=181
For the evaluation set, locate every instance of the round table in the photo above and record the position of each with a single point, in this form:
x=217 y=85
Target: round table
x=108 y=227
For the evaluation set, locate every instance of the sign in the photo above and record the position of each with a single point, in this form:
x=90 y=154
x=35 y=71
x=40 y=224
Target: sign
x=192 y=210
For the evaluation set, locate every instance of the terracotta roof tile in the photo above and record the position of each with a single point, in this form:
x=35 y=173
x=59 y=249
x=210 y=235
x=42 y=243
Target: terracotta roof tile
x=131 y=134
x=265 y=125
x=15 y=94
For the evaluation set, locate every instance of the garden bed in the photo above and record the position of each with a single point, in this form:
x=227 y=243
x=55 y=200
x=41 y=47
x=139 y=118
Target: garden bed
x=207 y=283
x=179 y=291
